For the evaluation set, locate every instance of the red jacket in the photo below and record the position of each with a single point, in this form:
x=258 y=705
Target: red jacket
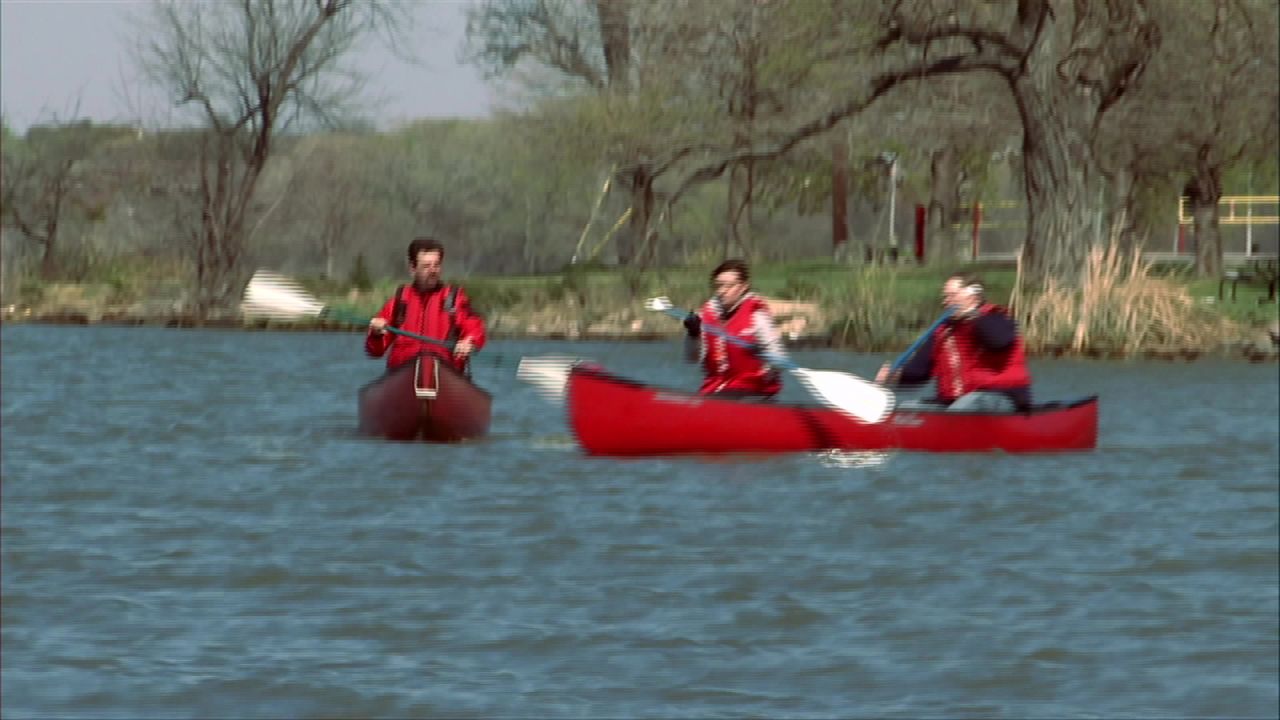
x=729 y=366
x=963 y=363
x=425 y=313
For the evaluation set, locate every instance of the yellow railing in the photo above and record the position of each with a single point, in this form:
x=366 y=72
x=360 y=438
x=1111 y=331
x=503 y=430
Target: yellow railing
x=1240 y=210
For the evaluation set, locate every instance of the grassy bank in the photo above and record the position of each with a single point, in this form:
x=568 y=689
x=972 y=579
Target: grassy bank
x=1123 y=308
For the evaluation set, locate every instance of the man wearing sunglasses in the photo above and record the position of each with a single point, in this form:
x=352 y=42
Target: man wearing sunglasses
x=729 y=369
x=976 y=356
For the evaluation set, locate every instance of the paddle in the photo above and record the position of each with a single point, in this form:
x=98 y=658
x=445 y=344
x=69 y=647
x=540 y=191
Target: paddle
x=272 y=295
x=906 y=354
x=548 y=374
x=850 y=394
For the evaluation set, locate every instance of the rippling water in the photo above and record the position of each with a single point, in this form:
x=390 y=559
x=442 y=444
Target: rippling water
x=192 y=529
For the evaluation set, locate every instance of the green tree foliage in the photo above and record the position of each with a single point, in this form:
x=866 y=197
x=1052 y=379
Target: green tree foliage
x=664 y=132
x=1206 y=107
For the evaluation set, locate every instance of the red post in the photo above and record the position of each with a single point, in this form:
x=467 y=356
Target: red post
x=921 y=218
x=1182 y=238
x=977 y=226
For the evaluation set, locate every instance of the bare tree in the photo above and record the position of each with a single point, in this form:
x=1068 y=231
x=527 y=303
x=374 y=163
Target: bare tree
x=45 y=180
x=249 y=70
x=561 y=34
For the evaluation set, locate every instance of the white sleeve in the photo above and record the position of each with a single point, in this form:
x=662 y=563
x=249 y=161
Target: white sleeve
x=767 y=335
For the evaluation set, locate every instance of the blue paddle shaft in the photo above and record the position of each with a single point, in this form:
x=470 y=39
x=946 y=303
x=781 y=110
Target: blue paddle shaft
x=679 y=314
x=904 y=357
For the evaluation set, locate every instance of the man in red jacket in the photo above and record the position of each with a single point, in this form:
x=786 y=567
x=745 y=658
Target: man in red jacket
x=426 y=307
x=976 y=356
x=729 y=369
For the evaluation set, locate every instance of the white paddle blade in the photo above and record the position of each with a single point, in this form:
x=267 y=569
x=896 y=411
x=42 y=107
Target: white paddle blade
x=275 y=296
x=659 y=304
x=861 y=399
x=548 y=374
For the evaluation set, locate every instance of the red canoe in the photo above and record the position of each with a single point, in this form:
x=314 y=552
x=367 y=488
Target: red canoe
x=611 y=415
x=424 y=400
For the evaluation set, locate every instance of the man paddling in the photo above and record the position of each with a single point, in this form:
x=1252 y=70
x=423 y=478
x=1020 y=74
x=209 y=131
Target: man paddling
x=976 y=355
x=427 y=307
x=729 y=369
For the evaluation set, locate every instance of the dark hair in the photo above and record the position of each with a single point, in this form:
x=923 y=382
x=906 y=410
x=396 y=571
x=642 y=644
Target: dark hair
x=421 y=245
x=735 y=265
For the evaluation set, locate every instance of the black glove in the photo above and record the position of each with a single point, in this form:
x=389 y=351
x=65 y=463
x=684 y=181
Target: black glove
x=693 y=325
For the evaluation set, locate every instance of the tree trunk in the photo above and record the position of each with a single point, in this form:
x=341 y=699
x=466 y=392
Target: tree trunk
x=943 y=246
x=615 y=35
x=334 y=231
x=1125 y=227
x=225 y=197
x=49 y=239
x=839 y=198
x=48 y=259
x=730 y=205
x=218 y=264
x=526 y=242
x=1204 y=192
x=1062 y=177
x=738 y=236
x=1207 y=239
x=746 y=239
x=632 y=241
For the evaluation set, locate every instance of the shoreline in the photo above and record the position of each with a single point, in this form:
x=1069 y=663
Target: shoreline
x=1249 y=352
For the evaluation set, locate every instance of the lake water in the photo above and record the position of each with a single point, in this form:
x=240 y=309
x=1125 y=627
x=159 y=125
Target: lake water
x=191 y=528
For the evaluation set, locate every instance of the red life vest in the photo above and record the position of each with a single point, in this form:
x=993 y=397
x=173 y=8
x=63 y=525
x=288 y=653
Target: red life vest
x=728 y=366
x=962 y=365
x=443 y=313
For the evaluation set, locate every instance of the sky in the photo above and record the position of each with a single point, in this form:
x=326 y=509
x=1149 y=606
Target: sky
x=55 y=54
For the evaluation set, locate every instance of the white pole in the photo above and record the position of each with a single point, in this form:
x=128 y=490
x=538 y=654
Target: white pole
x=1177 y=227
x=1097 y=217
x=893 y=195
x=1248 y=224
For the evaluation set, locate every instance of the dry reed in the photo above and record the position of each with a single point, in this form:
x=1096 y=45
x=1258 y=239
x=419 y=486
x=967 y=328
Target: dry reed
x=1117 y=305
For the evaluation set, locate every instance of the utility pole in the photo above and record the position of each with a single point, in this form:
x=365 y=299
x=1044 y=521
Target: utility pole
x=891 y=159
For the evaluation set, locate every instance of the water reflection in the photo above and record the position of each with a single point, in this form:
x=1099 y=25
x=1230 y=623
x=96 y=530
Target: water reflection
x=846 y=459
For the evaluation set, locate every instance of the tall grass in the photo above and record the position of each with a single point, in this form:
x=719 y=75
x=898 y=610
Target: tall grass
x=1118 y=305
x=879 y=307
